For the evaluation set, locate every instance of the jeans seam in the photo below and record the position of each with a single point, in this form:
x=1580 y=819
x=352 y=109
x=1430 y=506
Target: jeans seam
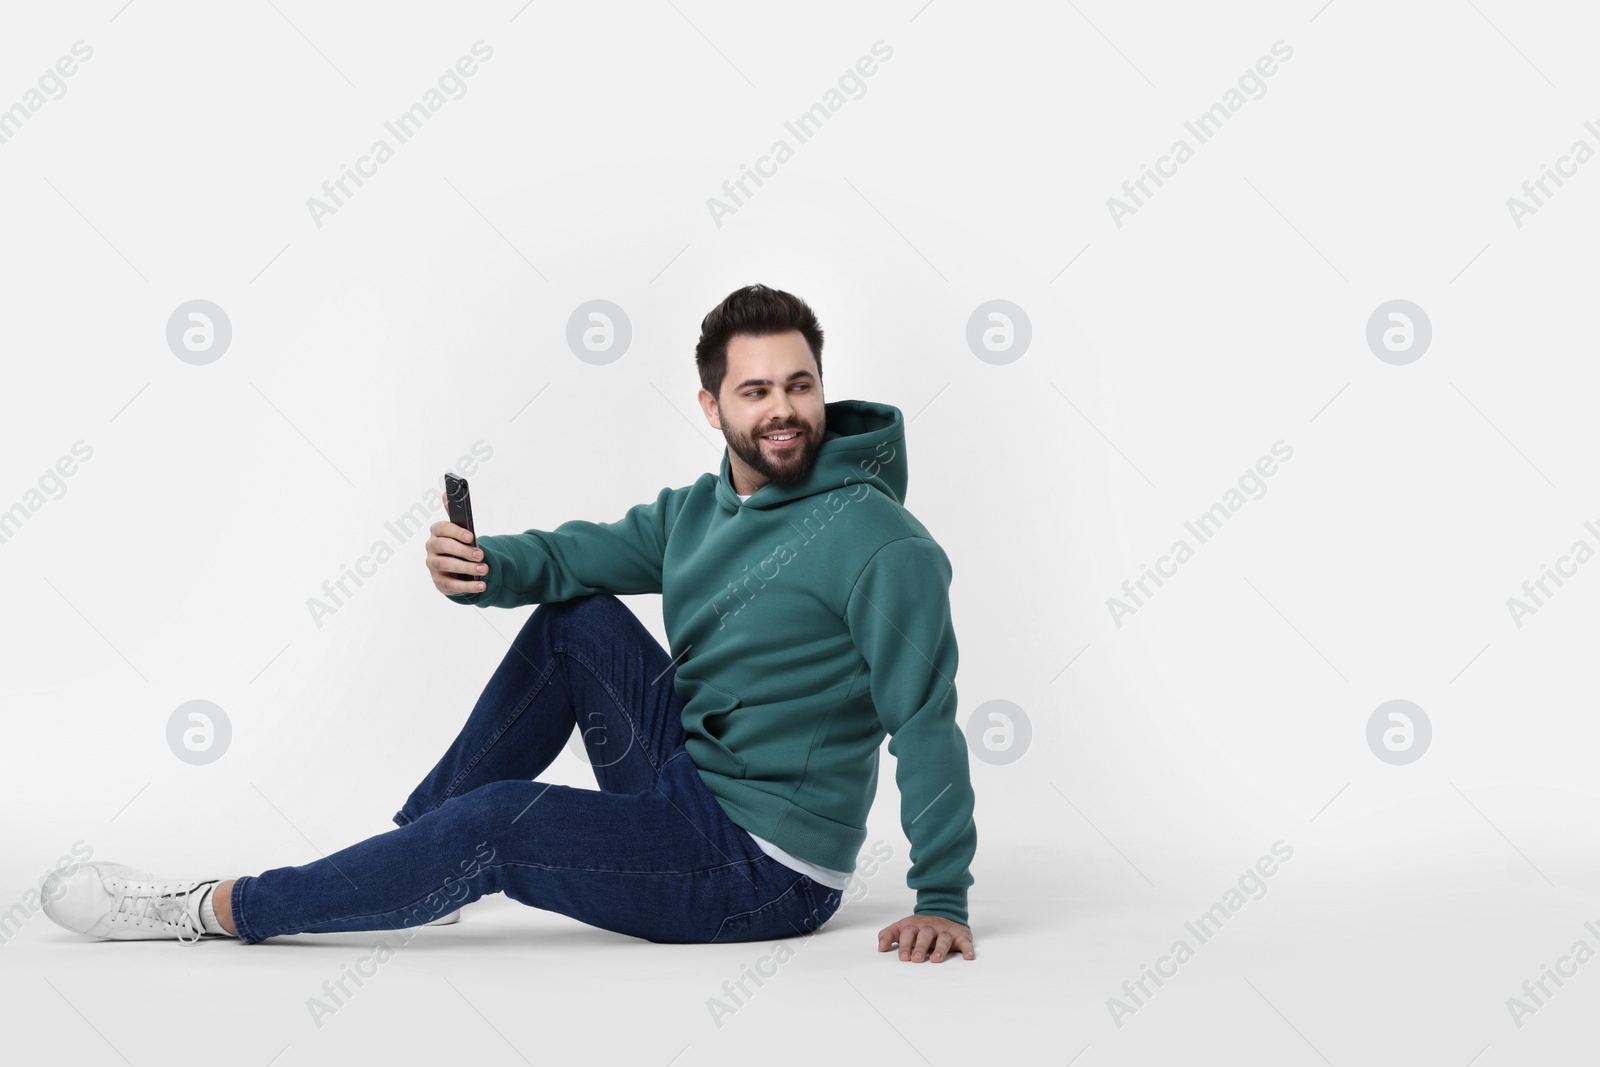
x=547 y=867
x=391 y=911
x=621 y=705
x=798 y=883
x=494 y=739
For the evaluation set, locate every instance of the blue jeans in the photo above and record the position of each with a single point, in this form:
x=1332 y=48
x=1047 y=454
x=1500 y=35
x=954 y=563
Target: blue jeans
x=650 y=853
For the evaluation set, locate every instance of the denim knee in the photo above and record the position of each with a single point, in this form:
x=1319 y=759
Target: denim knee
x=563 y=613
x=596 y=615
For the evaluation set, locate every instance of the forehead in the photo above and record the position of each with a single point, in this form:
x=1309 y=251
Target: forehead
x=773 y=357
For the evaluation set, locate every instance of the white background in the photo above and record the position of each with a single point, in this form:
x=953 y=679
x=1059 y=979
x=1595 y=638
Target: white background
x=1167 y=355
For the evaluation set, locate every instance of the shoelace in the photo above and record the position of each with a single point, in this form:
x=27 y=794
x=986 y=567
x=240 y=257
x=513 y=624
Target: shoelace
x=165 y=903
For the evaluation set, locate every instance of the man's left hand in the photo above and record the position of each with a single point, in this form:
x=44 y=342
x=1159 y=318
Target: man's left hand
x=924 y=937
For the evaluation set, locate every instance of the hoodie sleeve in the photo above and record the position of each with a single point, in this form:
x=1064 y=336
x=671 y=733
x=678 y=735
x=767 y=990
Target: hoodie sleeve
x=899 y=618
x=576 y=558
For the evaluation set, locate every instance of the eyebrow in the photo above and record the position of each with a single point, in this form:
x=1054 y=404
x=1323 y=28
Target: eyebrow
x=768 y=381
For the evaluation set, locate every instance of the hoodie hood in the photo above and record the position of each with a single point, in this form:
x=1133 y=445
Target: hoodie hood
x=862 y=442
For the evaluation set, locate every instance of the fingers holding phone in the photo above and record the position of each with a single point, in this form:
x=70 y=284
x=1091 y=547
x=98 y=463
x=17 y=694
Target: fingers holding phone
x=454 y=559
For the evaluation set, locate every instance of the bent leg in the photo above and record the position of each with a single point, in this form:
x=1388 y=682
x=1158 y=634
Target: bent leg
x=588 y=662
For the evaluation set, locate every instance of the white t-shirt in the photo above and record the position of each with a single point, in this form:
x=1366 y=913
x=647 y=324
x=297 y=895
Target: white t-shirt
x=839 y=880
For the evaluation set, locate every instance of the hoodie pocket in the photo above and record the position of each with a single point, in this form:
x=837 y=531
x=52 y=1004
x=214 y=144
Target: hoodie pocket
x=713 y=722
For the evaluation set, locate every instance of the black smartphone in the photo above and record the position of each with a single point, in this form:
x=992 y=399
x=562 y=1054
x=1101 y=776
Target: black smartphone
x=459 y=500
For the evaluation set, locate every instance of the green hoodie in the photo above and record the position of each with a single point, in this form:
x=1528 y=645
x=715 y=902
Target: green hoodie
x=807 y=622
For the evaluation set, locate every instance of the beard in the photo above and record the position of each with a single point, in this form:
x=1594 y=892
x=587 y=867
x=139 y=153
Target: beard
x=782 y=468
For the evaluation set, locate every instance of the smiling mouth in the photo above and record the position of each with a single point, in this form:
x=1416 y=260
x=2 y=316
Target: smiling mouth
x=783 y=439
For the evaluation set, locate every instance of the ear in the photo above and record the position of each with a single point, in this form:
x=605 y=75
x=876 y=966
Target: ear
x=708 y=404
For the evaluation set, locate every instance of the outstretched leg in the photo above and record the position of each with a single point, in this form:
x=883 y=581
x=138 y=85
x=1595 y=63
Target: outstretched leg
x=665 y=865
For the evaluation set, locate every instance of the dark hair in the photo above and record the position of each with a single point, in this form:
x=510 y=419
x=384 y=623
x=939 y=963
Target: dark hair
x=755 y=311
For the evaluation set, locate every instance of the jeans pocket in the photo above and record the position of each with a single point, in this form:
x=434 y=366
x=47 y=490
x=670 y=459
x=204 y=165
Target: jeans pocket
x=790 y=913
x=825 y=901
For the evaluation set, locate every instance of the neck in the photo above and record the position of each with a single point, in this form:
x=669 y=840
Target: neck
x=743 y=481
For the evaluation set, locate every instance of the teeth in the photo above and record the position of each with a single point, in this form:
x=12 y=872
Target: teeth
x=780 y=437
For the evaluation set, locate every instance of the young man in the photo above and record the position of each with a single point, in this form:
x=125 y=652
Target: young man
x=808 y=613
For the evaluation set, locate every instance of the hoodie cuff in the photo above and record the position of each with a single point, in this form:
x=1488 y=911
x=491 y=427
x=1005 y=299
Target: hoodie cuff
x=947 y=903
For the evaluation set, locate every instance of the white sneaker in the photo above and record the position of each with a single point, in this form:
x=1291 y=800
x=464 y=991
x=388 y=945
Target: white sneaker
x=118 y=903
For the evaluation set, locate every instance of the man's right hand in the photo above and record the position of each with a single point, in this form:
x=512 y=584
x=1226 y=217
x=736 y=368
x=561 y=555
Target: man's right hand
x=448 y=546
